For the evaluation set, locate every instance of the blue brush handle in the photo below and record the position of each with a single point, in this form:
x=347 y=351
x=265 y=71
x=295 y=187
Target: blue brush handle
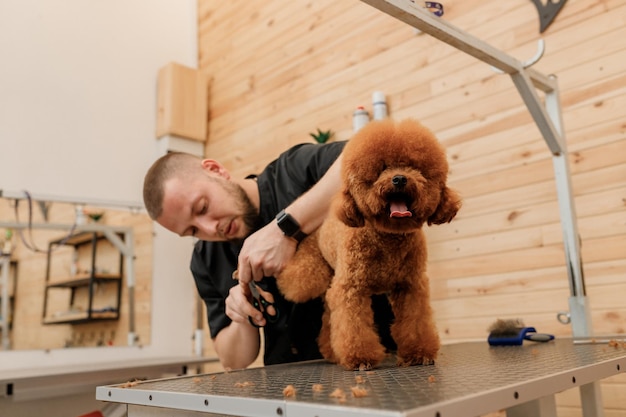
x=527 y=333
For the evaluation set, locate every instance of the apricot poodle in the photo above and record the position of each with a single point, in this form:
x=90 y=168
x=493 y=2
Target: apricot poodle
x=393 y=182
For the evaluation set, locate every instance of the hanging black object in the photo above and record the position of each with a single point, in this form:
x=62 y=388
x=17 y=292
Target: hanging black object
x=548 y=12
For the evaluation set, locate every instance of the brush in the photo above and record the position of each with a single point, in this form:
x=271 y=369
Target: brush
x=513 y=333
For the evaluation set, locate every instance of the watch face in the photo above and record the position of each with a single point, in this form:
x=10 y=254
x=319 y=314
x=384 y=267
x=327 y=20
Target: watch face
x=287 y=224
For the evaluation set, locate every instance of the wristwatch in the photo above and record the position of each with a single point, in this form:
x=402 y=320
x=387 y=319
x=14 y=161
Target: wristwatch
x=289 y=226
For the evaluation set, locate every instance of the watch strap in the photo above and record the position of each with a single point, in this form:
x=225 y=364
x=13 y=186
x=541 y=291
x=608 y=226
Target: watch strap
x=299 y=236
x=289 y=226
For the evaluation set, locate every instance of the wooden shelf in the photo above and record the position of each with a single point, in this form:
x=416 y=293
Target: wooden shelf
x=83 y=280
x=81 y=317
x=79 y=238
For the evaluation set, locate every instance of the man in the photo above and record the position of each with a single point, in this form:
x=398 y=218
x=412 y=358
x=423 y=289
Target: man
x=251 y=225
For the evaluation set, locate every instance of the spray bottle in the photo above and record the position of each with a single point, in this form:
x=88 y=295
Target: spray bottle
x=360 y=118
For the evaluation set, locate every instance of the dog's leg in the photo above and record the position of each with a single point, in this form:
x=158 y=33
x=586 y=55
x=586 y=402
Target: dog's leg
x=307 y=275
x=353 y=336
x=323 y=340
x=414 y=330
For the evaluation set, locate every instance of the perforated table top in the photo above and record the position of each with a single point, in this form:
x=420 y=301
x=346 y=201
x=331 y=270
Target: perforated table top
x=468 y=379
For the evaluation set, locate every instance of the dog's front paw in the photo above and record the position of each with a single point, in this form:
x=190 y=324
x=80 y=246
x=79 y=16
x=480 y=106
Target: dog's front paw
x=417 y=360
x=362 y=362
x=357 y=365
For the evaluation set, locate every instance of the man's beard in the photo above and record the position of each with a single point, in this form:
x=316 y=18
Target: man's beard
x=250 y=215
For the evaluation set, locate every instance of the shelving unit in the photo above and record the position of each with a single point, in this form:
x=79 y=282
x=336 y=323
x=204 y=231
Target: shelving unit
x=89 y=280
x=121 y=237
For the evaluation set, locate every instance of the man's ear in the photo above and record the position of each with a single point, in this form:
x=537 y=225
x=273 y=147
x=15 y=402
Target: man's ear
x=214 y=167
x=449 y=205
x=347 y=210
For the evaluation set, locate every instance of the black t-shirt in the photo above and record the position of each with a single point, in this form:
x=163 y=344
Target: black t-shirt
x=293 y=336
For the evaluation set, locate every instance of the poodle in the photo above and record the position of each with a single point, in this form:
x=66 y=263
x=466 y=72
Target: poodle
x=393 y=182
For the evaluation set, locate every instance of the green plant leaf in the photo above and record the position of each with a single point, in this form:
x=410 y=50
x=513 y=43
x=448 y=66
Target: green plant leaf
x=321 y=136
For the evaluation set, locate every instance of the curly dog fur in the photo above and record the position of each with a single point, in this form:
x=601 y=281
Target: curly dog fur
x=393 y=182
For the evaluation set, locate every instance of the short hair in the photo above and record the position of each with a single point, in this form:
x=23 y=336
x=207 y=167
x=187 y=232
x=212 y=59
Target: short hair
x=163 y=169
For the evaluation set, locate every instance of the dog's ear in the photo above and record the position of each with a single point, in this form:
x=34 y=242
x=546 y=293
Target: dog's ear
x=449 y=205
x=347 y=211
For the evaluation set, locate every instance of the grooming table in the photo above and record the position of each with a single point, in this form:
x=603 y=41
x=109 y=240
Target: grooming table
x=43 y=382
x=469 y=379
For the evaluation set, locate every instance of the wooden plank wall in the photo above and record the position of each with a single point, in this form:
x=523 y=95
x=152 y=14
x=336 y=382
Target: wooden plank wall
x=28 y=331
x=281 y=69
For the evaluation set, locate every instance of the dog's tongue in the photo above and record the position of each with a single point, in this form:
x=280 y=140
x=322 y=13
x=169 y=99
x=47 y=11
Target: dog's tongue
x=399 y=209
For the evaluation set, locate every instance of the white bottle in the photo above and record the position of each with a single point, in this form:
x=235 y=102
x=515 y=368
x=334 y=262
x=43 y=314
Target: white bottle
x=79 y=219
x=379 y=105
x=360 y=118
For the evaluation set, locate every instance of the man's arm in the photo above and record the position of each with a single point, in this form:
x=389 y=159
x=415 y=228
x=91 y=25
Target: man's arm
x=236 y=342
x=237 y=345
x=265 y=252
x=311 y=208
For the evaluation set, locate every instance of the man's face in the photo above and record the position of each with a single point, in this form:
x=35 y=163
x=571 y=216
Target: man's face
x=209 y=207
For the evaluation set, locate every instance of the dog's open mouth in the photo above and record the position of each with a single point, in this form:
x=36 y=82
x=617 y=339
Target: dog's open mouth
x=398 y=207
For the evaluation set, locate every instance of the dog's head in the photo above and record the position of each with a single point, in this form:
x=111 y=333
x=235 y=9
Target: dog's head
x=394 y=177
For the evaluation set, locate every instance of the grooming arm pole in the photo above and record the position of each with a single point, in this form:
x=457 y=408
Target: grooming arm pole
x=5 y=264
x=548 y=120
x=127 y=248
x=579 y=308
x=580 y=317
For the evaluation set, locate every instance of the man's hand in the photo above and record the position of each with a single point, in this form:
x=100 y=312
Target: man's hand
x=264 y=254
x=240 y=309
x=238 y=306
x=238 y=344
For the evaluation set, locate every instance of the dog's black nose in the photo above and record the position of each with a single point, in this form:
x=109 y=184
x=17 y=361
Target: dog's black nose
x=399 y=180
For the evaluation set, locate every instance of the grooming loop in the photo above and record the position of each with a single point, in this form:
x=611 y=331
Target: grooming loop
x=541 y=49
